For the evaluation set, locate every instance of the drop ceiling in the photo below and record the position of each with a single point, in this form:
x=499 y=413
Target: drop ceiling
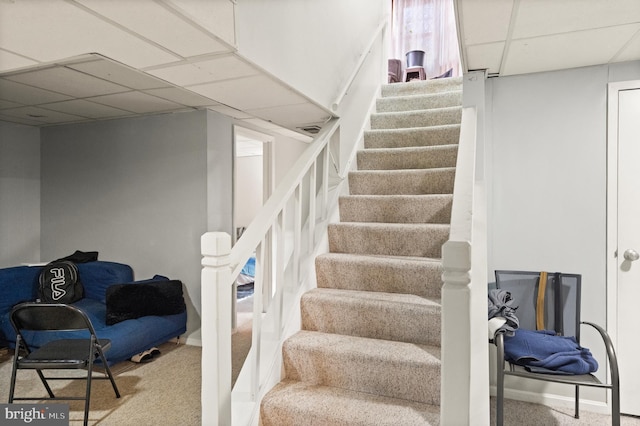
x=509 y=37
x=71 y=61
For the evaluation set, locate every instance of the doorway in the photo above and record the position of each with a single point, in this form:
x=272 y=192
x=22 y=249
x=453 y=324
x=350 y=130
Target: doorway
x=252 y=176
x=623 y=236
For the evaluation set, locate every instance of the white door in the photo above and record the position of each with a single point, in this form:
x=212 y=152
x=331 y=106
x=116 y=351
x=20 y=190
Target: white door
x=628 y=262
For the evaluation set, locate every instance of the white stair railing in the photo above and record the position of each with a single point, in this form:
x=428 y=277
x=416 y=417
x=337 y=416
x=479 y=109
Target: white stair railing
x=282 y=237
x=464 y=293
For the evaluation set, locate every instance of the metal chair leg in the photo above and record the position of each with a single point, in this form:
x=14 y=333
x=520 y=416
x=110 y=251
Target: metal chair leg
x=500 y=380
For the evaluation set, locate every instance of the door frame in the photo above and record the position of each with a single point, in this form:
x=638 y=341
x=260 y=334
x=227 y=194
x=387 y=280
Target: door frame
x=612 y=203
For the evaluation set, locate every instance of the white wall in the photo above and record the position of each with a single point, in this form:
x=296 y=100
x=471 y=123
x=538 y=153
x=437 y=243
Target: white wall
x=136 y=191
x=311 y=45
x=19 y=194
x=219 y=172
x=247 y=189
x=546 y=142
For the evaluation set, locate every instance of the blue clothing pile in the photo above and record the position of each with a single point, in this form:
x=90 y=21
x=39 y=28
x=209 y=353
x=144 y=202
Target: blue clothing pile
x=543 y=351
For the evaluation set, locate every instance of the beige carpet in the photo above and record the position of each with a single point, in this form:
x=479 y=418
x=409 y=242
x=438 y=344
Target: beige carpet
x=165 y=391
x=241 y=336
x=519 y=413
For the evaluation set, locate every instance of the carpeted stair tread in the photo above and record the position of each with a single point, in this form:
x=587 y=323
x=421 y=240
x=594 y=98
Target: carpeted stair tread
x=293 y=403
x=419 y=101
x=402 y=182
x=376 y=315
x=424 y=86
x=425 y=208
x=398 y=274
x=411 y=371
x=415 y=136
x=399 y=239
x=420 y=118
x=423 y=157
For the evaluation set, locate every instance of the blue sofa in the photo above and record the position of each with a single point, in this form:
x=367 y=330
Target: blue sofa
x=129 y=337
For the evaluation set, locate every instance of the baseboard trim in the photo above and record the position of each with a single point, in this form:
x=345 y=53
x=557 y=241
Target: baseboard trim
x=189 y=341
x=553 y=400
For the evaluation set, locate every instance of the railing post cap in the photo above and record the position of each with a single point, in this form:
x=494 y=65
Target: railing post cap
x=215 y=243
x=456 y=255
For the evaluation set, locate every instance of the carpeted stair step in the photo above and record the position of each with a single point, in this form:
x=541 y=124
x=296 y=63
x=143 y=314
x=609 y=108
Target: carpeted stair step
x=389 y=239
x=417 y=136
x=293 y=403
x=417 y=102
x=420 y=118
x=430 y=208
x=408 y=275
x=422 y=87
x=410 y=371
x=402 y=182
x=375 y=315
x=422 y=157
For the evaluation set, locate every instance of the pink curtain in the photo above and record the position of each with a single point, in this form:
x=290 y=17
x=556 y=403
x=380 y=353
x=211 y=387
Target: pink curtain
x=427 y=25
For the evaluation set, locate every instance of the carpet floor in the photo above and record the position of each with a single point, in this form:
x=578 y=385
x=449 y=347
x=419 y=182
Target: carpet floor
x=166 y=391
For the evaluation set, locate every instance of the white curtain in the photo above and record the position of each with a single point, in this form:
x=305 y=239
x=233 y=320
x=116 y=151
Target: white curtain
x=427 y=25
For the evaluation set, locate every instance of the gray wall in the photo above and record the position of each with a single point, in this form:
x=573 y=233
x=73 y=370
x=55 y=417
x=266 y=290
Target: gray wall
x=19 y=194
x=546 y=168
x=135 y=190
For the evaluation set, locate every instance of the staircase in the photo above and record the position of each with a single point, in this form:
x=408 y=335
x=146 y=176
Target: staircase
x=369 y=349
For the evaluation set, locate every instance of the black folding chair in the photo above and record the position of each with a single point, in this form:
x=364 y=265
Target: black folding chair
x=551 y=303
x=31 y=319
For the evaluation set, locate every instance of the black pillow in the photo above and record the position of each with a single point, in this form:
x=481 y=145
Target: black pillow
x=129 y=301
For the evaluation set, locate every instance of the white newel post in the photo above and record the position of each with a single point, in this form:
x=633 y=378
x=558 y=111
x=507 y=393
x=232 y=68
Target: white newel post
x=216 y=329
x=456 y=339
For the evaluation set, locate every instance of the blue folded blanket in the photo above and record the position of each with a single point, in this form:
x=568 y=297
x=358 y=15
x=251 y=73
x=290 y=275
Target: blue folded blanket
x=544 y=352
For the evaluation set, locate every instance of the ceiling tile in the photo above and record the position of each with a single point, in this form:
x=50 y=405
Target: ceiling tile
x=16 y=92
x=119 y=74
x=293 y=115
x=83 y=108
x=8 y=104
x=541 y=17
x=182 y=74
x=60 y=29
x=67 y=81
x=18 y=120
x=181 y=96
x=226 y=67
x=223 y=67
x=215 y=16
x=249 y=93
x=476 y=15
x=261 y=123
x=231 y=112
x=10 y=61
x=485 y=56
x=137 y=102
x=568 y=50
x=160 y=25
x=41 y=115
